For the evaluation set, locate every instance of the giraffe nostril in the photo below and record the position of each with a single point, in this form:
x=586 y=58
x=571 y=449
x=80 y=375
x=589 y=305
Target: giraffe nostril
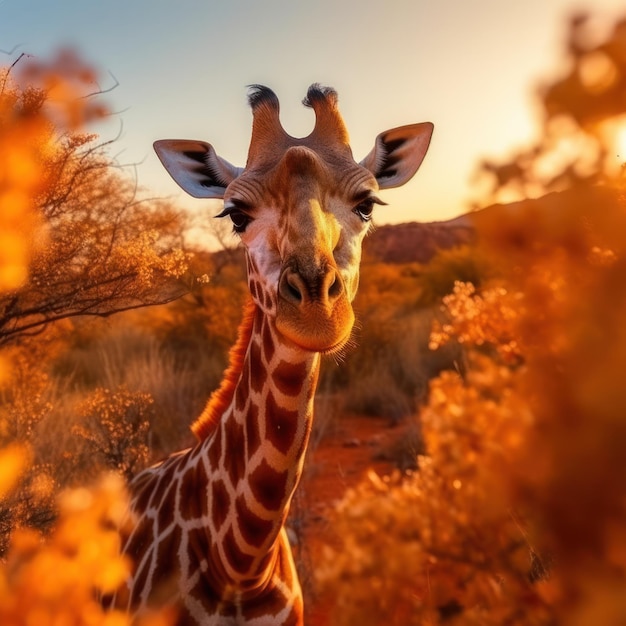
x=290 y=287
x=294 y=292
x=335 y=289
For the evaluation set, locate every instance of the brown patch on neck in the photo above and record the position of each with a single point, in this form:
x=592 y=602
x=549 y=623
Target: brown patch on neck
x=223 y=395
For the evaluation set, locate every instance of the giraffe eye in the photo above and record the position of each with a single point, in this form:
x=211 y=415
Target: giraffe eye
x=240 y=220
x=238 y=217
x=365 y=209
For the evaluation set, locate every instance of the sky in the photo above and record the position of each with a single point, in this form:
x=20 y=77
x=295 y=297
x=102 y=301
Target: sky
x=181 y=68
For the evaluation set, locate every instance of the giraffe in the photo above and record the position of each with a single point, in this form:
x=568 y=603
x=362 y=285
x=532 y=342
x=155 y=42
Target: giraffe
x=210 y=535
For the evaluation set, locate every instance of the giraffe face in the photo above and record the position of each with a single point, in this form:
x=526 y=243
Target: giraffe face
x=302 y=208
x=302 y=223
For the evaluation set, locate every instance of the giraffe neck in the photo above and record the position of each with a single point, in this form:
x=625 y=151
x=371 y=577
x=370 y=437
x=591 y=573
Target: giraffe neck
x=256 y=449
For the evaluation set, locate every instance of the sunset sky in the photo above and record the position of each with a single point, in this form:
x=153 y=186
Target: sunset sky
x=469 y=66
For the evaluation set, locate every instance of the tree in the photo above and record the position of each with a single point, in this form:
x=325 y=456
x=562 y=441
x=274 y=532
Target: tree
x=81 y=241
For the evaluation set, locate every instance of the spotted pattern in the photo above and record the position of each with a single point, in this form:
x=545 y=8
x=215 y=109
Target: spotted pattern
x=210 y=537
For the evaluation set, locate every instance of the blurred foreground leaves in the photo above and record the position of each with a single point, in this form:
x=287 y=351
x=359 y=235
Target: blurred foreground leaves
x=517 y=515
x=59 y=579
x=74 y=239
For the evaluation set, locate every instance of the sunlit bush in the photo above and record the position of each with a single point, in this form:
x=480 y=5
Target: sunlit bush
x=116 y=427
x=59 y=579
x=386 y=371
x=443 y=543
x=462 y=263
x=517 y=515
x=45 y=98
x=24 y=404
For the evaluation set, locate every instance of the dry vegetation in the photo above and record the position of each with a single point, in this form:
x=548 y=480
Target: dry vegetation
x=61 y=256
x=516 y=514
x=511 y=353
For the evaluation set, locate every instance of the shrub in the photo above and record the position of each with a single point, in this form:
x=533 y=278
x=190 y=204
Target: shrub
x=516 y=515
x=462 y=263
x=57 y=580
x=116 y=427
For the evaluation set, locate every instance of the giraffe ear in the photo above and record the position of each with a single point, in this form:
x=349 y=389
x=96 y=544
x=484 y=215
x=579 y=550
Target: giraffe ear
x=196 y=167
x=398 y=153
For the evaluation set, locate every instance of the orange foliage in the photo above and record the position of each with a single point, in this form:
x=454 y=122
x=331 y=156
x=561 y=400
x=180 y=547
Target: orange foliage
x=115 y=427
x=50 y=182
x=517 y=515
x=26 y=142
x=485 y=319
x=75 y=239
x=58 y=580
x=13 y=461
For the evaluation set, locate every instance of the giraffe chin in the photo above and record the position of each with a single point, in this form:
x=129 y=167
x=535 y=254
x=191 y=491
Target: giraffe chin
x=314 y=343
x=314 y=333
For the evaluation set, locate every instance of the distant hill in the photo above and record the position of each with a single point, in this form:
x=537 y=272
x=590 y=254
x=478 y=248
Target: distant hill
x=415 y=242
x=556 y=217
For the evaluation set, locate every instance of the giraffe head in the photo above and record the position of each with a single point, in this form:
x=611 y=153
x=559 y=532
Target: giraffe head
x=301 y=208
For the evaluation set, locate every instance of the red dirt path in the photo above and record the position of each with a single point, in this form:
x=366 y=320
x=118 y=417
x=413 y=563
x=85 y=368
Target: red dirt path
x=349 y=447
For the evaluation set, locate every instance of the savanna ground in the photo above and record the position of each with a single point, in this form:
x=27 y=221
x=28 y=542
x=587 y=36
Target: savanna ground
x=467 y=462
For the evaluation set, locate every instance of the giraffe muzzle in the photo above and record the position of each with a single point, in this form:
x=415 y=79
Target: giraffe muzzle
x=313 y=308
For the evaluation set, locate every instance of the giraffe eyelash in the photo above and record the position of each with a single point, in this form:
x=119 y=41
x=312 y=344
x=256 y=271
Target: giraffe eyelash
x=234 y=205
x=365 y=206
x=238 y=216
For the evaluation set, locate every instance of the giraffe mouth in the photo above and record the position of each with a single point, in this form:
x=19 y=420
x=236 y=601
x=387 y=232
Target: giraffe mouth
x=315 y=328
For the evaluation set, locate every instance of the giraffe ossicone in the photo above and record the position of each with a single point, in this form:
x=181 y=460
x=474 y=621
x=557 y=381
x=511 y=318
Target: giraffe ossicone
x=210 y=537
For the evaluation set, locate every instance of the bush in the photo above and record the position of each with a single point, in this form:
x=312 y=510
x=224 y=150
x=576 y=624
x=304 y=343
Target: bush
x=115 y=427
x=462 y=263
x=516 y=515
x=59 y=579
x=387 y=374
